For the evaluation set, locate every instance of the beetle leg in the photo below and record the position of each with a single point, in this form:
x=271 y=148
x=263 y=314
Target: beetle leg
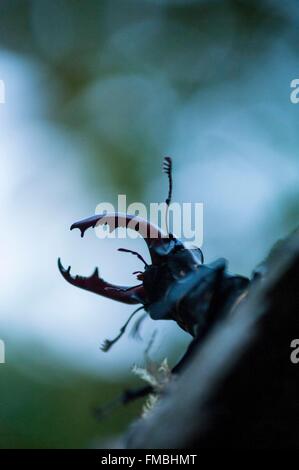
x=130 y=395
x=108 y=343
x=127 y=397
x=185 y=358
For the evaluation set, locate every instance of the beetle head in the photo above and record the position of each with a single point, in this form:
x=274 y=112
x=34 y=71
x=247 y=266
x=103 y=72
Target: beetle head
x=171 y=261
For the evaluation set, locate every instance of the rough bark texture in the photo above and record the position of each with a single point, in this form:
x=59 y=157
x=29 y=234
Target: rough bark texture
x=240 y=390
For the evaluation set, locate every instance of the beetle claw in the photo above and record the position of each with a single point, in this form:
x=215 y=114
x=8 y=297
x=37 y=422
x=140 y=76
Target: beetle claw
x=94 y=283
x=152 y=235
x=106 y=345
x=158 y=244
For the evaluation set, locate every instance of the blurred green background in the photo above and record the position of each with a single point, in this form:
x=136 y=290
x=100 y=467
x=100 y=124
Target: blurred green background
x=97 y=92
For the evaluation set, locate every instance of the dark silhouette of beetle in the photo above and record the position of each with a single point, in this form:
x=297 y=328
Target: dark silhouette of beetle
x=177 y=285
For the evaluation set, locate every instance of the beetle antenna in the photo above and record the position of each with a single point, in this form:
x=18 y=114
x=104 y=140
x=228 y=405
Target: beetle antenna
x=167 y=169
x=108 y=343
x=125 y=250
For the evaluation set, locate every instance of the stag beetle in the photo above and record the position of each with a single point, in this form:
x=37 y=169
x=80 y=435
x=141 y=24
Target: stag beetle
x=177 y=285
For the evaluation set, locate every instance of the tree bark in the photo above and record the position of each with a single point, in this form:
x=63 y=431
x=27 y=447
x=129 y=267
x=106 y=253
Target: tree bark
x=240 y=390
